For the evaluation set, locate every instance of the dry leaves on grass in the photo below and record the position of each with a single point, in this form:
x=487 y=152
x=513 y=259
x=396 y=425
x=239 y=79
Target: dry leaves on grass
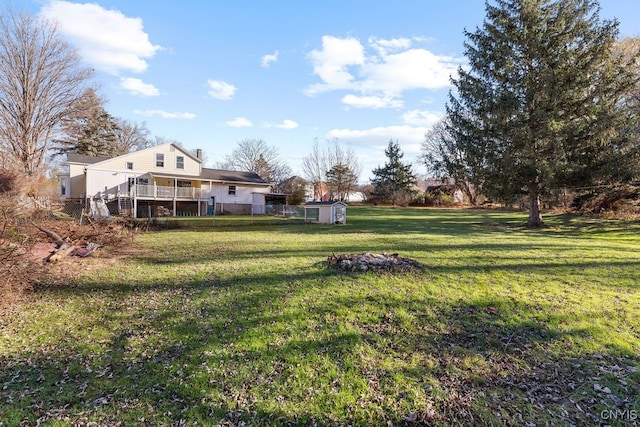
x=25 y=248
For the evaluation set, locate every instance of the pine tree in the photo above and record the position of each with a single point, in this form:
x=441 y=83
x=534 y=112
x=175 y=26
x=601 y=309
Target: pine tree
x=536 y=107
x=395 y=180
x=89 y=129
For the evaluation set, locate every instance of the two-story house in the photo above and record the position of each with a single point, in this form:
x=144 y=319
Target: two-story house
x=162 y=180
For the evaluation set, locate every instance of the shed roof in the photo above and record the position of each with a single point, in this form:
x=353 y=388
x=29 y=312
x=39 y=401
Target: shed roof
x=325 y=203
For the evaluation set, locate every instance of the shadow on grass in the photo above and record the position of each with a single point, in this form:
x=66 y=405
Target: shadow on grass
x=278 y=346
x=267 y=352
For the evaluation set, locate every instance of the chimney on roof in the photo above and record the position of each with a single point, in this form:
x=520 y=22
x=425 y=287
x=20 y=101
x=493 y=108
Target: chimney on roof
x=199 y=153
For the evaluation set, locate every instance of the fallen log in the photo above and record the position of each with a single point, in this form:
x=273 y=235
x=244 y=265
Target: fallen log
x=61 y=252
x=54 y=236
x=64 y=247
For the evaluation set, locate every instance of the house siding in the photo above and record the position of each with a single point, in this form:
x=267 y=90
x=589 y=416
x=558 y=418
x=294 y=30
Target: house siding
x=108 y=183
x=109 y=179
x=76 y=181
x=145 y=160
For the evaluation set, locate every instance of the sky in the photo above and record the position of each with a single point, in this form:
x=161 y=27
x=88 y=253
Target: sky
x=210 y=73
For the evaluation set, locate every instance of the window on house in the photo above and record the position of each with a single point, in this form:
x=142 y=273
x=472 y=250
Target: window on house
x=232 y=190
x=183 y=184
x=160 y=160
x=63 y=187
x=180 y=162
x=130 y=166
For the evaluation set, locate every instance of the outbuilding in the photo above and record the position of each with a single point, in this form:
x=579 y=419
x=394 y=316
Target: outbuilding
x=331 y=212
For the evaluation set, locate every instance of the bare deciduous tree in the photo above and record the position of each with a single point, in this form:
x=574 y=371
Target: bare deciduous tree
x=320 y=161
x=40 y=78
x=315 y=168
x=132 y=136
x=444 y=158
x=254 y=155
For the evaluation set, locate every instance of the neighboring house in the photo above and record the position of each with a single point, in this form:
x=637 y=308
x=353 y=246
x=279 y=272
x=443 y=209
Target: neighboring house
x=164 y=180
x=297 y=189
x=448 y=187
x=356 y=197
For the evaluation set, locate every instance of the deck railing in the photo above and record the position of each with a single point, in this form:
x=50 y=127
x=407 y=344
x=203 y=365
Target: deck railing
x=162 y=192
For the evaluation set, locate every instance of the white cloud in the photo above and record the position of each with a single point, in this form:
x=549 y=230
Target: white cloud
x=107 y=39
x=332 y=62
x=384 y=46
x=165 y=114
x=409 y=137
x=421 y=118
x=239 y=122
x=380 y=74
x=408 y=70
x=221 y=90
x=138 y=87
x=268 y=59
x=371 y=101
x=287 y=124
x=410 y=134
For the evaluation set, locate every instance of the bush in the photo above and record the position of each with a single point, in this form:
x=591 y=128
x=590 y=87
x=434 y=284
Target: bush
x=437 y=198
x=624 y=200
x=17 y=271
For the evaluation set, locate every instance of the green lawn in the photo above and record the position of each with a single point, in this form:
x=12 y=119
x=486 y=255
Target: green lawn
x=246 y=324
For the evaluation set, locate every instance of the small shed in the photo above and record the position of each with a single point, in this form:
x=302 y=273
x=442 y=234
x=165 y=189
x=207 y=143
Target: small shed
x=330 y=212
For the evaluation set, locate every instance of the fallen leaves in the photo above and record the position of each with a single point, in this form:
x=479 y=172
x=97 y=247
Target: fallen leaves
x=492 y=310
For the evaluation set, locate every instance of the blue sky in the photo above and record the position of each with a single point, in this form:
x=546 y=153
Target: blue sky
x=212 y=73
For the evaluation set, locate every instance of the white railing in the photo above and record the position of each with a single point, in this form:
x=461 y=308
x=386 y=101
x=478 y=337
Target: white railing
x=188 y=192
x=162 y=192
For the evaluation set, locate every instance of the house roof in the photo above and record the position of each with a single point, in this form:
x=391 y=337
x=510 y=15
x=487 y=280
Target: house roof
x=84 y=159
x=90 y=160
x=232 y=176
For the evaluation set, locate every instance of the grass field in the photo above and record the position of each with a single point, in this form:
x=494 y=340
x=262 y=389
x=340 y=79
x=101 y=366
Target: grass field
x=246 y=325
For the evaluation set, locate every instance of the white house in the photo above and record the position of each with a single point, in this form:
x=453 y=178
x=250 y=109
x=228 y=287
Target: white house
x=161 y=180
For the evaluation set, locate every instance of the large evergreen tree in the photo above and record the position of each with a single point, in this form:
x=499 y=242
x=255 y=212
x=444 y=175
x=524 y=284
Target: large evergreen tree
x=395 y=180
x=89 y=129
x=536 y=106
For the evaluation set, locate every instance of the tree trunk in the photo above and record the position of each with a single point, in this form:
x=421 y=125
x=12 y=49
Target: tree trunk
x=535 y=216
x=470 y=192
x=64 y=247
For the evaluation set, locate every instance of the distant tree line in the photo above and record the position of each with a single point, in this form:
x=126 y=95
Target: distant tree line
x=550 y=99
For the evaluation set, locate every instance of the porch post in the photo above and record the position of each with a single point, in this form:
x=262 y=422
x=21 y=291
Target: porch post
x=135 y=207
x=175 y=194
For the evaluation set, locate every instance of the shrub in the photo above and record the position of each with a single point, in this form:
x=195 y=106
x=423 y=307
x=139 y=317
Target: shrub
x=624 y=199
